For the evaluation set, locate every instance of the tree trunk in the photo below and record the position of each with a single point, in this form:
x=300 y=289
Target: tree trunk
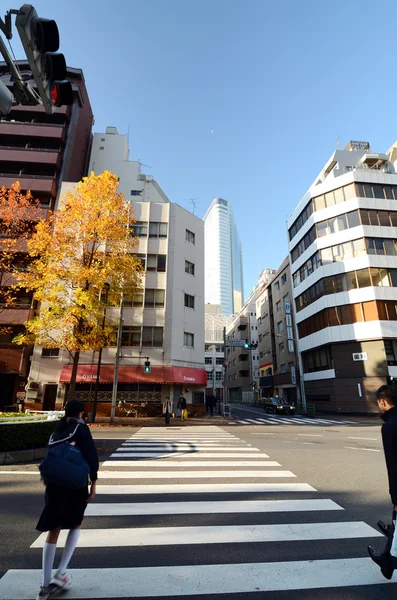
x=72 y=385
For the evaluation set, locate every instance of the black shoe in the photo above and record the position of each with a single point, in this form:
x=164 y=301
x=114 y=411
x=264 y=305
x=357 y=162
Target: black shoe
x=387 y=530
x=382 y=562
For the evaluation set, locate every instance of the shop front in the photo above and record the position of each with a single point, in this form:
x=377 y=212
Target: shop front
x=139 y=394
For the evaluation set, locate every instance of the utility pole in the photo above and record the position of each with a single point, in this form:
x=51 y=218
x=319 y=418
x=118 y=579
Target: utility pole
x=98 y=372
x=117 y=363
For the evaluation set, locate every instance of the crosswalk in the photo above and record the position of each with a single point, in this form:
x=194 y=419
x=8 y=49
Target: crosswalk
x=214 y=516
x=294 y=420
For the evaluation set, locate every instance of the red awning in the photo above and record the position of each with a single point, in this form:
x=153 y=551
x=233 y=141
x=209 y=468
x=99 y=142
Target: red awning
x=181 y=375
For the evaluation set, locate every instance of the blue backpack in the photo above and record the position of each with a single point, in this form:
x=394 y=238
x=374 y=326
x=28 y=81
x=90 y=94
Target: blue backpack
x=64 y=464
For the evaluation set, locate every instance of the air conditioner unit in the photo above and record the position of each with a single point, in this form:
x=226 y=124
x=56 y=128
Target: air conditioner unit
x=32 y=389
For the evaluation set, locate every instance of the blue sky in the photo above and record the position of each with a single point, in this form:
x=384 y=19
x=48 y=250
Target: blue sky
x=242 y=99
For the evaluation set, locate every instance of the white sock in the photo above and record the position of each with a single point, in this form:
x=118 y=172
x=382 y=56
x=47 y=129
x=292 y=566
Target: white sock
x=70 y=545
x=48 y=562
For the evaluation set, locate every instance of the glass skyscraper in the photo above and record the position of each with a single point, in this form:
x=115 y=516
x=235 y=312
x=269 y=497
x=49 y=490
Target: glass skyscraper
x=223 y=258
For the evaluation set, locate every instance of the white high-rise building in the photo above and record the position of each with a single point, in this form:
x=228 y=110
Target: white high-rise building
x=223 y=258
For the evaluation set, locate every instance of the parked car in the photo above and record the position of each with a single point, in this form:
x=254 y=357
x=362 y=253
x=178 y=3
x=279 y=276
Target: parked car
x=279 y=406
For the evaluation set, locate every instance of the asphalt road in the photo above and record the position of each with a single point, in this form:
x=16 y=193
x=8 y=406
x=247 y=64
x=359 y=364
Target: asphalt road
x=316 y=549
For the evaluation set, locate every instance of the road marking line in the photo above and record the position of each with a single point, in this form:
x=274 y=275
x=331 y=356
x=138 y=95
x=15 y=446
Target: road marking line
x=311 y=434
x=201 y=488
x=262 y=433
x=188 y=454
x=197 y=580
x=190 y=463
x=20 y=472
x=362 y=438
x=112 y=509
x=202 y=474
x=365 y=449
x=201 y=449
x=226 y=534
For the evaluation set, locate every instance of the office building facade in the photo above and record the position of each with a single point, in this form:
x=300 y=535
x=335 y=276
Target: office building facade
x=164 y=322
x=40 y=151
x=343 y=253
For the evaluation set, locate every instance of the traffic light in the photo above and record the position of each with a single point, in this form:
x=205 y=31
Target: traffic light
x=40 y=40
x=147 y=366
x=246 y=345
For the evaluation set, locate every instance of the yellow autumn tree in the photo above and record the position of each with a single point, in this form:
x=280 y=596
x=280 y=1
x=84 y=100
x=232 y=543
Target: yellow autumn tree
x=83 y=247
x=19 y=214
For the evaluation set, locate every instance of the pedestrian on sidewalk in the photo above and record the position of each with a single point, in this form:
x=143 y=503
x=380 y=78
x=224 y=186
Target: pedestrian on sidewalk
x=65 y=505
x=182 y=405
x=386 y=397
x=212 y=402
x=167 y=410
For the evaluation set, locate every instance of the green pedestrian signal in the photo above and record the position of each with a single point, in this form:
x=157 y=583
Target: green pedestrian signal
x=246 y=345
x=147 y=366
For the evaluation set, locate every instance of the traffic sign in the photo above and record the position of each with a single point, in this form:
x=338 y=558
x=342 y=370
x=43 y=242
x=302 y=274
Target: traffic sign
x=240 y=343
x=288 y=308
x=290 y=333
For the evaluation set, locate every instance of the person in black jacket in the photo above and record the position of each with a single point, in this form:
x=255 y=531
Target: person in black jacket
x=182 y=405
x=64 y=507
x=386 y=397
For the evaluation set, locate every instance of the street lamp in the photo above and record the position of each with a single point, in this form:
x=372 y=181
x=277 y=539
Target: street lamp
x=98 y=371
x=302 y=383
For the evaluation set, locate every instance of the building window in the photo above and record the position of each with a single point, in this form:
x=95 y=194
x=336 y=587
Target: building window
x=136 y=192
x=280 y=326
x=101 y=148
x=189 y=301
x=283 y=367
x=190 y=236
x=157 y=230
x=188 y=339
x=208 y=360
x=189 y=267
x=283 y=278
x=102 y=139
x=277 y=286
x=156 y=262
x=131 y=336
x=319 y=359
x=219 y=360
x=139 y=229
x=218 y=375
x=50 y=352
x=286 y=299
x=154 y=298
x=208 y=348
x=210 y=375
x=278 y=306
x=281 y=347
x=219 y=349
x=133 y=302
x=152 y=337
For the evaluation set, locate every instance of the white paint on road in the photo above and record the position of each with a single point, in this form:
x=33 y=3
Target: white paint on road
x=187 y=448
x=219 y=534
x=203 y=474
x=190 y=463
x=188 y=453
x=365 y=449
x=203 y=488
x=362 y=438
x=20 y=472
x=102 y=509
x=311 y=434
x=197 y=580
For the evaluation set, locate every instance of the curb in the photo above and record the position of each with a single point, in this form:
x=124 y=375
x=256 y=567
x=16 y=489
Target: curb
x=21 y=456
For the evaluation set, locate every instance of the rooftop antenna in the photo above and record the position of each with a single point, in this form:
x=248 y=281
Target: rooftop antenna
x=194 y=202
x=143 y=165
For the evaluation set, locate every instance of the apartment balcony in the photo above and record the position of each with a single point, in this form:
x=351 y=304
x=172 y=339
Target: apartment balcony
x=41 y=184
x=244 y=373
x=33 y=130
x=242 y=324
x=29 y=156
